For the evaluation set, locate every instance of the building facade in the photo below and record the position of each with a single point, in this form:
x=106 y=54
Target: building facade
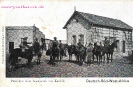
x=85 y=28
x=14 y=34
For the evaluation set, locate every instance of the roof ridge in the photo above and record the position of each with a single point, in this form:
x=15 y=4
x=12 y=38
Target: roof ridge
x=98 y=15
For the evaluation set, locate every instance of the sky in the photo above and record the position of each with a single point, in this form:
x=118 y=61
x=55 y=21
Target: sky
x=53 y=15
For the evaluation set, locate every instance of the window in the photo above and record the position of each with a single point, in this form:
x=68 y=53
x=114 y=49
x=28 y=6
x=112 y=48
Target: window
x=81 y=39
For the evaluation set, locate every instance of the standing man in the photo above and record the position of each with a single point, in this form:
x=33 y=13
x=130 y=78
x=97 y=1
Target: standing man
x=36 y=46
x=55 y=48
x=106 y=45
x=89 y=53
x=60 y=44
x=61 y=50
x=55 y=43
x=49 y=51
x=22 y=45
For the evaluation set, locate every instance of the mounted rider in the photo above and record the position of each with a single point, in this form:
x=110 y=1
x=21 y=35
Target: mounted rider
x=106 y=42
x=24 y=44
x=55 y=43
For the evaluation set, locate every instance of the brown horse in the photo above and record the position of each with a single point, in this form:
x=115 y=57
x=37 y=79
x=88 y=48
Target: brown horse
x=15 y=53
x=108 y=51
x=72 y=50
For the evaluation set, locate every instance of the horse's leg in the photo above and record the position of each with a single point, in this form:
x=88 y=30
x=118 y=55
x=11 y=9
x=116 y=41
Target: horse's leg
x=37 y=59
x=111 y=57
x=97 y=58
x=84 y=59
x=53 y=58
x=78 y=58
x=61 y=56
x=93 y=57
x=100 y=58
x=104 y=58
x=107 y=58
x=50 y=58
x=69 y=56
x=29 y=61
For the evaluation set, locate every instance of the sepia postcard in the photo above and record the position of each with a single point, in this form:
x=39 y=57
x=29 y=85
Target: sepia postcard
x=63 y=43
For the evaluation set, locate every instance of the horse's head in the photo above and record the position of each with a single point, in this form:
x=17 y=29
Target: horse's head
x=95 y=44
x=114 y=45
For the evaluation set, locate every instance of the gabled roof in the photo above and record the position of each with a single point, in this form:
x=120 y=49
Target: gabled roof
x=19 y=27
x=101 y=21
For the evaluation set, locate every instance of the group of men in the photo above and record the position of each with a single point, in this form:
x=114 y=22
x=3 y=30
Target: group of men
x=55 y=44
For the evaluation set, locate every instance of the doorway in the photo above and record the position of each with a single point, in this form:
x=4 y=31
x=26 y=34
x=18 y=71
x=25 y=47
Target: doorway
x=123 y=46
x=11 y=46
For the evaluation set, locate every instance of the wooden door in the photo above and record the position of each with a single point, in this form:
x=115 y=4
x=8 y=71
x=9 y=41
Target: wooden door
x=11 y=46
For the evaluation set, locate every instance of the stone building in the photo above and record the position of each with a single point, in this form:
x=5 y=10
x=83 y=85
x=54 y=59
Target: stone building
x=15 y=33
x=85 y=28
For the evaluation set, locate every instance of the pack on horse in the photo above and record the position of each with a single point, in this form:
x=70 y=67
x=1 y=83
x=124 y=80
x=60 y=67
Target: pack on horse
x=37 y=50
x=21 y=52
x=108 y=50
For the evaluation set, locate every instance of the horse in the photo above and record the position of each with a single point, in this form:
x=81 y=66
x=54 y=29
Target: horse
x=17 y=52
x=72 y=49
x=96 y=52
x=55 y=53
x=109 y=50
